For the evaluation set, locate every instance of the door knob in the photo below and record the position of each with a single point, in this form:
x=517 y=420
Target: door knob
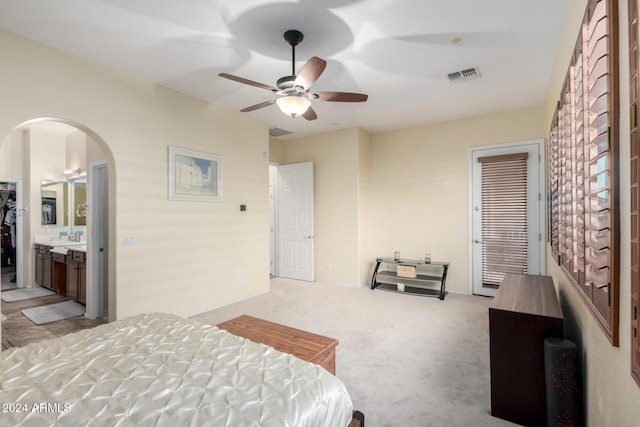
x=477 y=241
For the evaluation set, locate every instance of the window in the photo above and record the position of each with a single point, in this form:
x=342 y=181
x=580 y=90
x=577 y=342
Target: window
x=582 y=168
x=504 y=216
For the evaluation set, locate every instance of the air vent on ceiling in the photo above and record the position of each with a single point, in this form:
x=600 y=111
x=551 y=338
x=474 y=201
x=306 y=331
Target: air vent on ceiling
x=278 y=132
x=460 y=76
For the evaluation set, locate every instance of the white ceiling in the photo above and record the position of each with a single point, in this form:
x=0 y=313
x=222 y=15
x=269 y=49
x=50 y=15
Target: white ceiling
x=398 y=52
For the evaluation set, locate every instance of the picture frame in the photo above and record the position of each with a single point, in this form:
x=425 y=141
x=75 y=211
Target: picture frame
x=194 y=176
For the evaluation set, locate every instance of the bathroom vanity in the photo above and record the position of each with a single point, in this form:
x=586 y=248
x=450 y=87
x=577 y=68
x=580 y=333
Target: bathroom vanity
x=61 y=267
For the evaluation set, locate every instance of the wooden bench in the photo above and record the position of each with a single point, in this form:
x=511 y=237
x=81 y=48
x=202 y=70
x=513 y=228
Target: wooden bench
x=305 y=345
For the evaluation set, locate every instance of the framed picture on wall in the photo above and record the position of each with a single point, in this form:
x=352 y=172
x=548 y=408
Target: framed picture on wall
x=194 y=176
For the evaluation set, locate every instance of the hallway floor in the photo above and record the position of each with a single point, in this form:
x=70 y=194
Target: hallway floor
x=18 y=330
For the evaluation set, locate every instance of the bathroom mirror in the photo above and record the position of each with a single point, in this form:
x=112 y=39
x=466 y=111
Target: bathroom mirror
x=79 y=202
x=55 y=197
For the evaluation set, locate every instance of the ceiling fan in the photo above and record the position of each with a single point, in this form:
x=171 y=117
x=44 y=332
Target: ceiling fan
x=295 y=98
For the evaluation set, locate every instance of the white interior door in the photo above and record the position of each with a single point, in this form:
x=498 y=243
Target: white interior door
x=480 y=243
x=295 y=221
x=98 y=294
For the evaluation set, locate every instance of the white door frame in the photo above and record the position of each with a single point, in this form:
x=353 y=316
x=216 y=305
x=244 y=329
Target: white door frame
x=473 y=233
x=21 y=245
x=97 y=283
x=273 y=218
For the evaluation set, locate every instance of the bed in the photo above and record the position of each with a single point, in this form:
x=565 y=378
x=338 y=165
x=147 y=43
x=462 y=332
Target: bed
x=164 y=370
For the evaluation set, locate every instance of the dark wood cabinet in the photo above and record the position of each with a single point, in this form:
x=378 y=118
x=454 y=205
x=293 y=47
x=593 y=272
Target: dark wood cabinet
x=59 y=273
x=65 y=274
x=39 y=265
x=44 y=266
x=524 y=312
x=77 y=275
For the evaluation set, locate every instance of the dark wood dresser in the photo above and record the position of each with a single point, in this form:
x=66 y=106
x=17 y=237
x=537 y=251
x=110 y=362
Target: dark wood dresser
x=524 y=312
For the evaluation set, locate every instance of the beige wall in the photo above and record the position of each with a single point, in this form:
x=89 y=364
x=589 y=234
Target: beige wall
x=189 y=256
x=402 y=190
x=76 y=151
x=11 y=157
x=612 y=397
x=366 y=254
x=276 y=150
x=342 y=201
x=335 y=169
x=420 y=185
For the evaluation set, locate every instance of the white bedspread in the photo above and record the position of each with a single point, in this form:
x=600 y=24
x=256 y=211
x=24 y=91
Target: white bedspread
x=164 y=370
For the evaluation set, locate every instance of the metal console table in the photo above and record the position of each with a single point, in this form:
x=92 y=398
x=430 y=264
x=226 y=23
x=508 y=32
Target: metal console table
x=389 y=278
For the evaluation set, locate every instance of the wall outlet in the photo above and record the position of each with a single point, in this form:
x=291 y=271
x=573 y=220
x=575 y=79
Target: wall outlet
x=129 y=239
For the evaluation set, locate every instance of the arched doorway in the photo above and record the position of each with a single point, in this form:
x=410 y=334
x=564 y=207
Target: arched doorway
x=32 y=146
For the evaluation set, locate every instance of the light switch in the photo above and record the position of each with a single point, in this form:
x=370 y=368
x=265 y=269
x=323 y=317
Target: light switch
x=243 y=208
x=129 y=239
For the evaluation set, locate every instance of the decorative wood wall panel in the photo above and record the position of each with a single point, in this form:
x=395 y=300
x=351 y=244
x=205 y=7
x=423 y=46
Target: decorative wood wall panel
x=582 y=170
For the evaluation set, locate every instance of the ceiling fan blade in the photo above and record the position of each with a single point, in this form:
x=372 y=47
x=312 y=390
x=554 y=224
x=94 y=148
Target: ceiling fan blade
x=257 y=106
x=310 y=114
x=247 y=82
x=310 y=72
x=342 y=96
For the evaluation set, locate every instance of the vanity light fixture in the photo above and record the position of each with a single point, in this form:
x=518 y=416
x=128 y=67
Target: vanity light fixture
x=293 y=105
x=73 y=174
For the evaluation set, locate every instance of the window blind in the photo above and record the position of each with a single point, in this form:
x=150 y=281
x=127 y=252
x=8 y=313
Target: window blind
x=582 y=151
x=504 y=216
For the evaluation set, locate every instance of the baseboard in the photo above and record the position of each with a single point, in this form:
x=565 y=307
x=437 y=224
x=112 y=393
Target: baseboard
x=229 y=303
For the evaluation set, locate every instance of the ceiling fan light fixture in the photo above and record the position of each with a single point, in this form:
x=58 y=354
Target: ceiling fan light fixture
x=293 y=105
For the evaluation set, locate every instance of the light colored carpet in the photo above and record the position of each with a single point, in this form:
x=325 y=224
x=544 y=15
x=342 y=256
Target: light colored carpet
x=26 y=293
x=406 y=360
x=54 y=312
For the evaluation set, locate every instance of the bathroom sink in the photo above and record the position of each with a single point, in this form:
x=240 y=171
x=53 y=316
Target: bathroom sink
x=64 y=248
x=55 y=243
x=59 y=250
